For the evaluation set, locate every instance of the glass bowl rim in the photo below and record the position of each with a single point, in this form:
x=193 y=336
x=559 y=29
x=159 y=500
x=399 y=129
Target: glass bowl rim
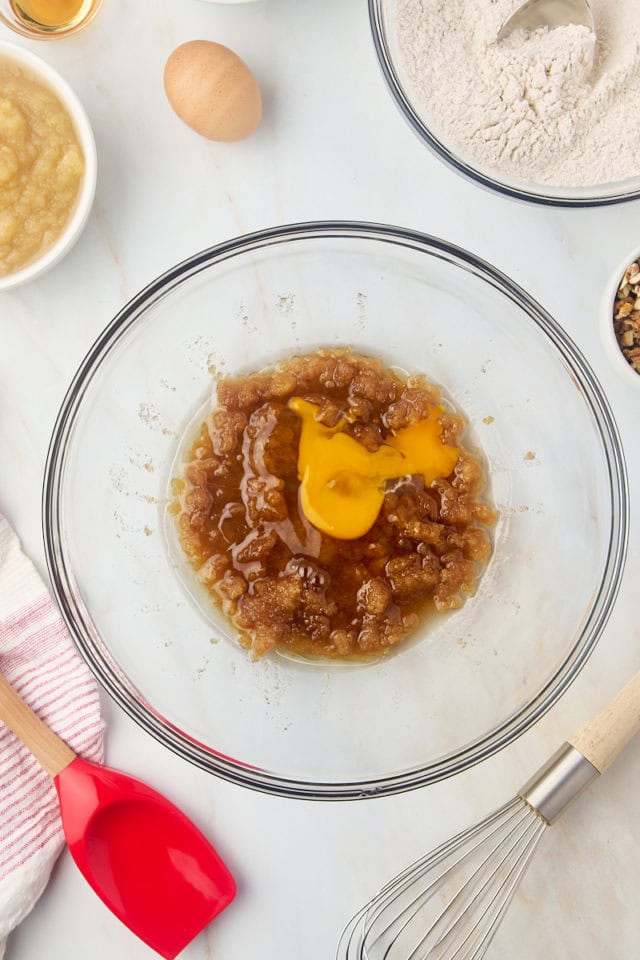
x=467 y=170
x=187 y=747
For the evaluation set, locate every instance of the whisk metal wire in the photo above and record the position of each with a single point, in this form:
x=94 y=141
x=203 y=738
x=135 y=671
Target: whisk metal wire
x=447 y=905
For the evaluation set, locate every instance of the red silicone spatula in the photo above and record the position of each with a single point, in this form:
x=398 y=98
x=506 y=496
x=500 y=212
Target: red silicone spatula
x=143 y=857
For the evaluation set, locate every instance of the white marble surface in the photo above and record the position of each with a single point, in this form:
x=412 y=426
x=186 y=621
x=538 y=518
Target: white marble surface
x=332 y=145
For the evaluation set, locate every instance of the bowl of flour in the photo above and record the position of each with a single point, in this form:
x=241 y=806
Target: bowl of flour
x=545 y=116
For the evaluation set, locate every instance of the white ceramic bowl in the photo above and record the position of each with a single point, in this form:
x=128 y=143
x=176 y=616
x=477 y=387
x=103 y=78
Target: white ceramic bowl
x=609 y=339
x=48 y=76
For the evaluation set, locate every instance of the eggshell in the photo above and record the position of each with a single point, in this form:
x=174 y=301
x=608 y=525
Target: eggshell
x=213 y=91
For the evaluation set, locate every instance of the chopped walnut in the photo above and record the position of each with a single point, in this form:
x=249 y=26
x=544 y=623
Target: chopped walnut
x=626 y=316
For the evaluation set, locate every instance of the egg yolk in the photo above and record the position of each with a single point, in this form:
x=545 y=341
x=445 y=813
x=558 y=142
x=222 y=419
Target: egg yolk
x=342 y=483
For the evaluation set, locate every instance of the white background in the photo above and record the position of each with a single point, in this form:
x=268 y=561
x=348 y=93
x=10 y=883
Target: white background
x=332 y=145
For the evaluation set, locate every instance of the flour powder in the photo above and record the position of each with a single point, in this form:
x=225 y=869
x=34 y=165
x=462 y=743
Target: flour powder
x=552 y=106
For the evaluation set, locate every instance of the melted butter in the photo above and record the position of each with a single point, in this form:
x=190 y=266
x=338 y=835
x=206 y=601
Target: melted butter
x=342 y=483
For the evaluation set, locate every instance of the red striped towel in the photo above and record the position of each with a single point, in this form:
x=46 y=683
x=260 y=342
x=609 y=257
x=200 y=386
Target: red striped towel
x=38 y=657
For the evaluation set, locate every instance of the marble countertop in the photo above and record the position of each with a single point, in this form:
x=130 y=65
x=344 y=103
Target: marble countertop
x=332 y=145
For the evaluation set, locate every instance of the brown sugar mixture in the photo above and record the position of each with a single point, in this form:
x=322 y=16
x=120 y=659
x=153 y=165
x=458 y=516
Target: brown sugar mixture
x=281 y=581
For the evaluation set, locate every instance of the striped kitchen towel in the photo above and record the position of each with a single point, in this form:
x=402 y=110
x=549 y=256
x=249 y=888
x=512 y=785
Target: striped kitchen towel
x=38 y=657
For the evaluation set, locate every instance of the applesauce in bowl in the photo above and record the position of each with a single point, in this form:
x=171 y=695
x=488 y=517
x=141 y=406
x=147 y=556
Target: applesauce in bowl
x=47 y=166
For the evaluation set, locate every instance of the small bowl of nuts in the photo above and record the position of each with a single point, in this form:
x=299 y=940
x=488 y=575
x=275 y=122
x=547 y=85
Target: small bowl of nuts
x=621 y=320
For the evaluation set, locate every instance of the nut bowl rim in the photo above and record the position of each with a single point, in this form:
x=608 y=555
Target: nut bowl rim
x=609 y=339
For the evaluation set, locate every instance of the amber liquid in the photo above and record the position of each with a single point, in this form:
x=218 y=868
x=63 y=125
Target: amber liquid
x=53 y=16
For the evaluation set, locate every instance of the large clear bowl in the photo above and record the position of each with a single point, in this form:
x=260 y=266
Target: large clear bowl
x=463 y=688
x=384 y=21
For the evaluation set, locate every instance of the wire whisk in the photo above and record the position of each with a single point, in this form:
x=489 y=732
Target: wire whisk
x=473 y=875
x=447 y=905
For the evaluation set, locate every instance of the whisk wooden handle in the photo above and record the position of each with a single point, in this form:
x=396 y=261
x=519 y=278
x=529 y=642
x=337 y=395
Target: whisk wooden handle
x=50 y=751
x=603 y=737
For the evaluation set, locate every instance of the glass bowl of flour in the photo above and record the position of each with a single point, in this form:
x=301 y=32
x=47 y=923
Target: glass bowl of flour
x=545 y=116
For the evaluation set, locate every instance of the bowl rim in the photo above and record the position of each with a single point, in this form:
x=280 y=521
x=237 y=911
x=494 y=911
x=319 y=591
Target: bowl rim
x=75 y=225
x=612 y=348
x=556 y=197
x=122 y=691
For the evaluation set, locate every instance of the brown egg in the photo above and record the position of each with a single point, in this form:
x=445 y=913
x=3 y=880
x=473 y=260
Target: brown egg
x=213 y=90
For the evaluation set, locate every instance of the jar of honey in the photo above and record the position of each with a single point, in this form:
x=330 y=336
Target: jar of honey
x=47 y=19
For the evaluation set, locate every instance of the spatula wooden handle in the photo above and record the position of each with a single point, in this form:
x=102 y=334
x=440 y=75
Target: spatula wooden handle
x=50 y=751
x=602 y=738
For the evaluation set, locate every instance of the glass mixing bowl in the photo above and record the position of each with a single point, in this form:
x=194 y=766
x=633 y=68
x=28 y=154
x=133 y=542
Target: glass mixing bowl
x=383 y=18
x=464 y=687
